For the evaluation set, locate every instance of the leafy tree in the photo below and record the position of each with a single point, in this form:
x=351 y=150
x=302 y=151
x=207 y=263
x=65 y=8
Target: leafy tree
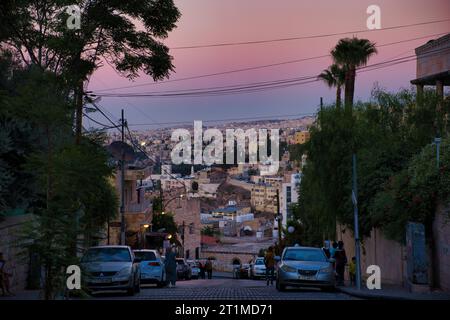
x=386 y=133
x=167 y=223
x=37 y=31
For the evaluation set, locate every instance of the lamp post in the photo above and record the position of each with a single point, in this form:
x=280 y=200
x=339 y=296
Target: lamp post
x=437 y=141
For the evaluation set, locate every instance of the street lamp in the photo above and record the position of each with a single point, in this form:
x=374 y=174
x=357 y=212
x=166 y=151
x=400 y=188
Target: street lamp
x=437 y=141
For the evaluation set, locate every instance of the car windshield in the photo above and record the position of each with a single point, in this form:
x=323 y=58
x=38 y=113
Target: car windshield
x=305 y=255
x=259 y=262
x=145 y=255
x=107 y=255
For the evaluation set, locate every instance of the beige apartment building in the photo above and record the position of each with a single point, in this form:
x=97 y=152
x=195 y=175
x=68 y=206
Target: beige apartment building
x=301 y=137
x=263 y=198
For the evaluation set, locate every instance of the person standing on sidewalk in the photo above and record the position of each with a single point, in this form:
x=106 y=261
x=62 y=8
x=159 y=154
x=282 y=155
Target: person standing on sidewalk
x=208 y=267
x=170 y=265
x=269 y=261
x=341 y=261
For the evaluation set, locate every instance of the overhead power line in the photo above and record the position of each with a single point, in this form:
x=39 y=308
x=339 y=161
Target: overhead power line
x=226 y=44
x=260 y=66
x=257 y=86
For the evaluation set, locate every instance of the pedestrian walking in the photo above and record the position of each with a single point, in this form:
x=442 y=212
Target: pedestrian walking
x=269 y=261
x=326 y=249
x=208 y=267
x=201 y=266
x=341 y=260
x=170 y=265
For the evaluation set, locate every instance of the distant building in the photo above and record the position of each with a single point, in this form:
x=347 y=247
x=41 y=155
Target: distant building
x=301 y=137
x=263 y=197
x=289 y=196
x=230 y=212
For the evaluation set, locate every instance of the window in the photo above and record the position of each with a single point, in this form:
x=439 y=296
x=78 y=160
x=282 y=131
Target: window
x=107 y=255
x=145 y=255
x=288 y=194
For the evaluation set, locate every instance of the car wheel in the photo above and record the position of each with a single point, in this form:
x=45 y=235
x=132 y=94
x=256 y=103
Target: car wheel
x=280 y=287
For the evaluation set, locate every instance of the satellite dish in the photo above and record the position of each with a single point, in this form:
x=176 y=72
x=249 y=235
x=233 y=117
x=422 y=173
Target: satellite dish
x=117 y=147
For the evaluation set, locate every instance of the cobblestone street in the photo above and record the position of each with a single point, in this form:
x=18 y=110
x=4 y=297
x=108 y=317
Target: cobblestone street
x=228 y=289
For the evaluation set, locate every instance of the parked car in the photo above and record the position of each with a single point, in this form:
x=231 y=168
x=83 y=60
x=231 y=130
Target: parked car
x=257 y=268
x=305 y=267
x=152 y=267
x=106 y=268
x=183 y=269
x=195 y=270
x=241 y=271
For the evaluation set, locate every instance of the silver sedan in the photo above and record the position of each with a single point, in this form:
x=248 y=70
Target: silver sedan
x=305 y=267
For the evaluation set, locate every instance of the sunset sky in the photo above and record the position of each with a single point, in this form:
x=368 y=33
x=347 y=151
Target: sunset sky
x=217 y=21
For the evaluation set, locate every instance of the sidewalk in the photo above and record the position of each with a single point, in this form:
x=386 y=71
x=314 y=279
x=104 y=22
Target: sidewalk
x=389 y=292
x=24 y=295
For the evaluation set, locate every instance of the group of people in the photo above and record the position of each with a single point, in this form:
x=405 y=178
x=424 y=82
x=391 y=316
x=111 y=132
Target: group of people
x=205 y=268
x=336 y=251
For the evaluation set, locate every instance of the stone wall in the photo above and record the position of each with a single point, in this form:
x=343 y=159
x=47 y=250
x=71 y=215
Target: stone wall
x=224 y=260
x=441 y=232
x=10 y=230
x=389 y=255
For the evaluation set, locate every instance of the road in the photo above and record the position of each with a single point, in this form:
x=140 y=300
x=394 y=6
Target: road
x=224 y=288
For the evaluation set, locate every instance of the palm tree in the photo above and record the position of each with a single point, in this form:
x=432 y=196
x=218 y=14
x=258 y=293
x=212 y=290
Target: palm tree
x=334 y=76
x=352 y=53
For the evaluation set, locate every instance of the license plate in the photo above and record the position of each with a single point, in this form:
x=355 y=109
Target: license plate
x=106 y=280
x=300 y=277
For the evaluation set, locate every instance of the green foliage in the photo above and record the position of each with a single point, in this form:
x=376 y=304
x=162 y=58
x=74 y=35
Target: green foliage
x=396 y=184
x=108 y=31
x=412 y=194
x=208 y=231
x=166 y=222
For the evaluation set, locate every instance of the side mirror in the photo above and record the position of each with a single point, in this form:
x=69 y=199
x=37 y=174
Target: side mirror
x=332 y=260
x=277 y=258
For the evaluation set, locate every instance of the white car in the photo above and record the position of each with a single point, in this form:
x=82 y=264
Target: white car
x=151 y=266
x=195 y=270
x=108 y=268
x=257 y=269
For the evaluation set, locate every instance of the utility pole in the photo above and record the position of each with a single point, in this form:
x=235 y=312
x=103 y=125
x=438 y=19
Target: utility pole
x=279 y=218
x=122 y=185
x=182 y=237
x=78 y=111
x=356 y=226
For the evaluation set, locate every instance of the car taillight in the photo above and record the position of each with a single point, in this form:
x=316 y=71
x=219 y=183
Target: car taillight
x=153 y=264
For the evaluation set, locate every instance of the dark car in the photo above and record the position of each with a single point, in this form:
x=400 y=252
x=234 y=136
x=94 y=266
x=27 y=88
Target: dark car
x=183 y=269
